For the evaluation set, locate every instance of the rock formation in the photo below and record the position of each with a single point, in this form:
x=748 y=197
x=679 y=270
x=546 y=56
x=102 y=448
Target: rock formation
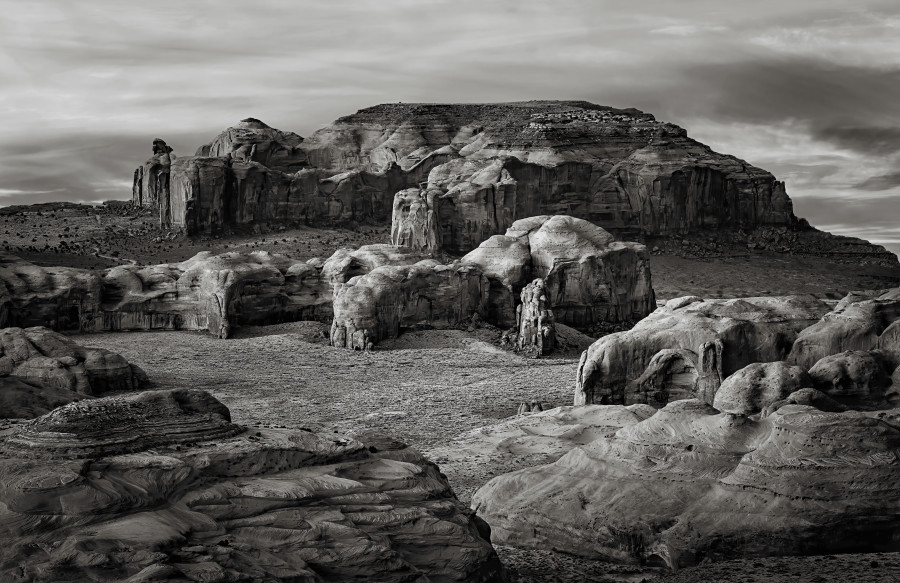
x=705 y=342
x=151 y=181
x=691 y=484
x=867 y=320
x=759 y=385
x=534 y=321
x=475 y=169
x=856 y=378
x=22 y=399
x=377 y=305
x=162 y=486
x=56 y=363
x=206 y=292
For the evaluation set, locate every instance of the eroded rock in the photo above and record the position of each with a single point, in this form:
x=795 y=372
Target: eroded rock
x=759 y=385
x=714 y=338
x=61 y=366
x=170 y=490
x=856 y=378
x=690 y=484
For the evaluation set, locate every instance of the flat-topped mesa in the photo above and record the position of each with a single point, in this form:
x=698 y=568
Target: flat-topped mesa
x=480 y=167
x=620 y=169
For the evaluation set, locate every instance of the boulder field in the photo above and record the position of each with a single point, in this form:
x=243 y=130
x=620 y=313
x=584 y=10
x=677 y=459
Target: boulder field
x=162 y=486
x=779 y=436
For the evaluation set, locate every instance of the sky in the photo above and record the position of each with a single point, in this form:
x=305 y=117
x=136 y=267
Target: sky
x=807 y=89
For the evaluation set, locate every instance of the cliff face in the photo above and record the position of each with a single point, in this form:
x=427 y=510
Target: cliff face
x=479 y=167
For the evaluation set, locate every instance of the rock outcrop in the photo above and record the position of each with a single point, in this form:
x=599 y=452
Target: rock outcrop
x=705 y=341
x=861 y=321
x=162 y=486
x=23 y=399
x=757 y=386
x=206 y=292
x=377 y=305
x=691 y=484
x=151 y=181
x=534 y=321
x=491 y=164
x=475 y=169
x=856 y=378
x=60 y=366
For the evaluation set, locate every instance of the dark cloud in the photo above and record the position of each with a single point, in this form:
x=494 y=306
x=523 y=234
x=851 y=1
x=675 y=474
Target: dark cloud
x=883 y=182
x=868 y=140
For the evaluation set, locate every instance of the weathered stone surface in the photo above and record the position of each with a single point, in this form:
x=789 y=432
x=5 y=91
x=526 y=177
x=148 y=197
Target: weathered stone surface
x=49 y=359
x=856 y=378
x=206 y=292
x=176 y=492
x=758 y=385
x=808 y=397
x=534 y=321
x=347 y=263
x=621 y=169
x=24 y=399
x=589 y=277
x=861 y=321
x=377 y=305
x=723 y=335
x=60 y=298
x=691 y=483
x=253 y=141
x=414 y=220
x=151 y=181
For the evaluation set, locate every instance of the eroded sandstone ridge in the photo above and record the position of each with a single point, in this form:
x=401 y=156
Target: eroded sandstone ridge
x=778 y=435
x=206 y=292
x=162 y=486
x=474 y=169
x=691 y=483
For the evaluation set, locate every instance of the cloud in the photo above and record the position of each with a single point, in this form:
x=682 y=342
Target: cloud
x=868 y=140
x=878 y=183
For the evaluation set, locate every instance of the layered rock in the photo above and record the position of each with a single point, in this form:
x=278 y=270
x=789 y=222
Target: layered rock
x=151 y=181
x=414 y=220
x=206 y=292
x=172 y=490
x=58 y=367
x=713 y=339
x=477 y=169
x=757 y=386
x=620 y=169
x=692 y=484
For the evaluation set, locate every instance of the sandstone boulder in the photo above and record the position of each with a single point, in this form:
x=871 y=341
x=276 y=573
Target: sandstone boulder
x=759 y=385
x=377 y=305
x=715 y=339
x=861 y=321
x=55 y=362
x=588 y=276
x=162 y=486
x=809 y=397
x=856 y=378
x=691 y=484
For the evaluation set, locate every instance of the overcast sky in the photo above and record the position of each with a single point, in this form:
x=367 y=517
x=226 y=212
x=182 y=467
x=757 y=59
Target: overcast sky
x=807 y=89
